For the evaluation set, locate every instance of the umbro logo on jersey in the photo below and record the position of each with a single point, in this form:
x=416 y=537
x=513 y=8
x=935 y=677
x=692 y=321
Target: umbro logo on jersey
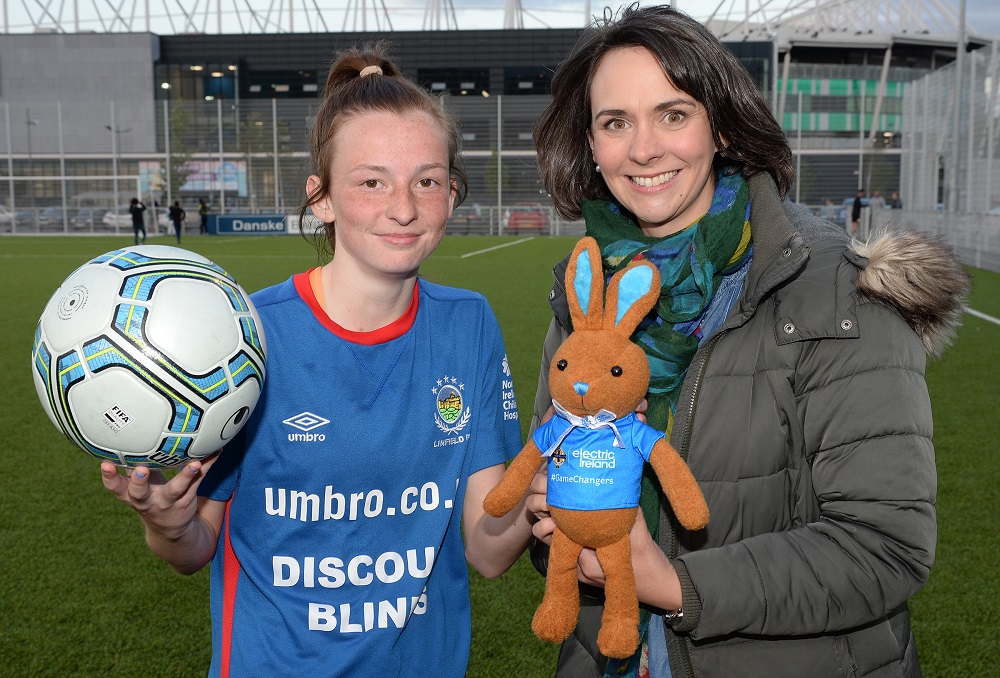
x=306 y=422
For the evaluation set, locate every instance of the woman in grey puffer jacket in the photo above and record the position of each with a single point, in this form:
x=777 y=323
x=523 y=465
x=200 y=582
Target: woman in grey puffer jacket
x=787 y=369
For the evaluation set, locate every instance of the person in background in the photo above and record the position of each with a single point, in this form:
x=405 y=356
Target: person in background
x=787 y=369
x=877 y=203
x=894 y=202
x=137 y=210
x=856 y=212
x=177 y=216
x=341 y=520
x=203 y=211
x=829 y=209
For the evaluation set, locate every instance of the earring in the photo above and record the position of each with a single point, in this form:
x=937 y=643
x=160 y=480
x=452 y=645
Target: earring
x=597 y=168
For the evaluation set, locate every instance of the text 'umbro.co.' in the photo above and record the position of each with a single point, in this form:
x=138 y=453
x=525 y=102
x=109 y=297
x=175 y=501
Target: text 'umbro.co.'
x=332 y=505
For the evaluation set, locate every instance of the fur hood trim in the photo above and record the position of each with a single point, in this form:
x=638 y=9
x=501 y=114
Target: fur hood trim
x=921 y=277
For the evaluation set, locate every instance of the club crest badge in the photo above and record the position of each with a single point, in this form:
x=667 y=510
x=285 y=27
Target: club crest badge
x=559 y=457
x=451 y=414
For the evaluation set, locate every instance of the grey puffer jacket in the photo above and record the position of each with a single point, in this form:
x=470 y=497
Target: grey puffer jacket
x=807 y=422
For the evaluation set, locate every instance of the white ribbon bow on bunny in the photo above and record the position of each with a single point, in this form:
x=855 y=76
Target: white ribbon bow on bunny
x=603 y=419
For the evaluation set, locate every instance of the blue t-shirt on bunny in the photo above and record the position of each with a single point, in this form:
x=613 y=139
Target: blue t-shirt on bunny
x=587 y=471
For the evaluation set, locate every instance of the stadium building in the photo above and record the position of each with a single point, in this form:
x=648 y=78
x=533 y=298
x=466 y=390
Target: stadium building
x=217 y=104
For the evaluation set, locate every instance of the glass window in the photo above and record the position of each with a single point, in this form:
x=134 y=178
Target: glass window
x=527 y=80
x=455 y=81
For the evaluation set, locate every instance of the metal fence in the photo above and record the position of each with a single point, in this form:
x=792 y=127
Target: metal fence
x=949 y=137
x=250 y=156
x=245 y=156
x=975 y=237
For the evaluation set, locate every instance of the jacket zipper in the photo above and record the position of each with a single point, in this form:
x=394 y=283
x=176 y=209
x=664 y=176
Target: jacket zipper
x=685 y=652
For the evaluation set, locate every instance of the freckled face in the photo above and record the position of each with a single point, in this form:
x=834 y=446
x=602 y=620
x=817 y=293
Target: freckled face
x=390 y=191
x=652 y=142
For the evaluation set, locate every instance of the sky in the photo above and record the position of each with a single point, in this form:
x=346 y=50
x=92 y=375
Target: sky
x=982 y=15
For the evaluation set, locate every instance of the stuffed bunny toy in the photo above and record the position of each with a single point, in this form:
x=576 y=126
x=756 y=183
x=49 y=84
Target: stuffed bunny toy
x=595 y=447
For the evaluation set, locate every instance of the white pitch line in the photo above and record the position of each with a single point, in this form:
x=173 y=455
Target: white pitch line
x=490 y=249
x=988 y=318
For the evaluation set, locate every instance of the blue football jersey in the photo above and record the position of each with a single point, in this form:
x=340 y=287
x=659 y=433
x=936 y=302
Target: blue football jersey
x=342 y=552
x=587 y=472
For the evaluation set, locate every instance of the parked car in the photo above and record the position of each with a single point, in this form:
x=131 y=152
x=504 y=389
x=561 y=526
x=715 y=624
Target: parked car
x=55 y=217
x=88 y=218
x=526 y=216
x=25 y=218
x=467 y=219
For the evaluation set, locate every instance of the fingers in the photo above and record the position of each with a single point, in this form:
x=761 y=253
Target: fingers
x=535 y=501
x=589 y=569
x=539 y=482
x=140 y=487
x=112 y=479
x=543 y=530
x=640 y=411
x=188 y=478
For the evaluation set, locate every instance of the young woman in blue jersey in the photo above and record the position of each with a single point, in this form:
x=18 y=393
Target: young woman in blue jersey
x=334 y=523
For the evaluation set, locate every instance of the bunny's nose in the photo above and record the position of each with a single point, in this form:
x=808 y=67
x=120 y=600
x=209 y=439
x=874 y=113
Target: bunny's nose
x=581 y=387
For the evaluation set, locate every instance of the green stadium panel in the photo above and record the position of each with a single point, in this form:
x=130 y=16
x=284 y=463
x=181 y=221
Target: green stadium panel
x=837 y=122
x=839 y=87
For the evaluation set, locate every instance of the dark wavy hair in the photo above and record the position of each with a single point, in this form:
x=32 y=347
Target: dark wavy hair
x=696 y=63
x=347 y=93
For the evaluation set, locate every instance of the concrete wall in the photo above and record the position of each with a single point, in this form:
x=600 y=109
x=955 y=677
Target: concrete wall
x=85 y=73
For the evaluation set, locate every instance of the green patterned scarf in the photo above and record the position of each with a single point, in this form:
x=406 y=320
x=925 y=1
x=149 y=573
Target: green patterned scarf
x=692 y=262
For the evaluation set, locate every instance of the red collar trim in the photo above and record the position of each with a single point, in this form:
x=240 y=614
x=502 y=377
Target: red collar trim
x=393 y=330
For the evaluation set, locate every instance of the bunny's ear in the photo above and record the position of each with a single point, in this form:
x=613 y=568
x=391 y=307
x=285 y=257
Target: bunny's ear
x=585 y=285
x=632 y=293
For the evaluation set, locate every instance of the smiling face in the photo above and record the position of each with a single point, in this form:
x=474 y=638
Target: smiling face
x=390 y=192
x=653 y=142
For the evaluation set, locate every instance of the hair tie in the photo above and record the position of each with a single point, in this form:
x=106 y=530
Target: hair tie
x=369 y=70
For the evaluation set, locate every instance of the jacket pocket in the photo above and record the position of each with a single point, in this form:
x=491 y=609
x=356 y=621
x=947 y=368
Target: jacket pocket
x=874 y=652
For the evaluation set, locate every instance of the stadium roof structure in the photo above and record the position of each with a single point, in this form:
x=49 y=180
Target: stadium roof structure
x=818 y=22
x=851 y=23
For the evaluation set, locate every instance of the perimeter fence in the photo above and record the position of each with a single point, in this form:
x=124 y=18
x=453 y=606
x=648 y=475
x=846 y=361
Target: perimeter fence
x=250 y=156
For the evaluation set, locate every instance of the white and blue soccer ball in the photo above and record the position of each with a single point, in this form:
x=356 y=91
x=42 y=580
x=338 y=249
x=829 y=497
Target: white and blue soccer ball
x=149 y=355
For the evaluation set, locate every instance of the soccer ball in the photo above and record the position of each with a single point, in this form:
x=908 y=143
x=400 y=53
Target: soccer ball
x=149 y=355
